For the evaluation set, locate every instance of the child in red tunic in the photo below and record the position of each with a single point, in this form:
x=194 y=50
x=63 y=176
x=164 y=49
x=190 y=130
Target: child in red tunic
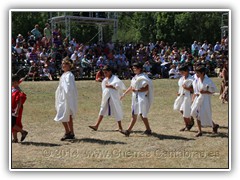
x=18 y=99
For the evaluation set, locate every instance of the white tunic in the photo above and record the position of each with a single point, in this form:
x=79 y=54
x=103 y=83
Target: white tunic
x=66 y=98
x=141 y=101
x=201 y=107
x=111 y=104
x=183 y=101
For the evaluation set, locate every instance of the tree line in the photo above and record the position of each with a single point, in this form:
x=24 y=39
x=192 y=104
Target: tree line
x=135 y=27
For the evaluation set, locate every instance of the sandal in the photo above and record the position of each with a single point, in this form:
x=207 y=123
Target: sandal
x=148 y=132
x=198 y=134
x=15 y=141
x=215 y=128
x=66 y=136
x=24 y=134
x=126 y=133
x=183 y=129
x=191 y=125
x=93 y=128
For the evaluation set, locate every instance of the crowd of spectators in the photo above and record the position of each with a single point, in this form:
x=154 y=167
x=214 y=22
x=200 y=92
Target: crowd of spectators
x=41 y=52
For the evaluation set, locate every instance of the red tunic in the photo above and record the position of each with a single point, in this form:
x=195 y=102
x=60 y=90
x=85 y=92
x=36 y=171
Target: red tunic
x=17 y=94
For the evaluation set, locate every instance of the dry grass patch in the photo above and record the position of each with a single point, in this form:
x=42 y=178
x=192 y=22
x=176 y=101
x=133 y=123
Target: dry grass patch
x=167 y=148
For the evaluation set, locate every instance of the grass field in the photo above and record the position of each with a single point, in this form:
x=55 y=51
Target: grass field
x=106 y=148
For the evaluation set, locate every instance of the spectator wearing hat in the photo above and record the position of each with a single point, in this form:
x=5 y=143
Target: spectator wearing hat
x=20 y=40
x=100 y=62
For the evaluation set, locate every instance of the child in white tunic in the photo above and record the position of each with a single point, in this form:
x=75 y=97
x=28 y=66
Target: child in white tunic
x=142 y=98
x=66 y=100
x=112 y=88
x=184 y=100
x=201 y=107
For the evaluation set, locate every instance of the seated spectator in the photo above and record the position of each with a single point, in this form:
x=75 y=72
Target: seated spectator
x=173 y=73
x=31 y=41
x=74 y=56
x=33 y=72
x=86 y=65
x=20 y=40
x=78 y=70
x=100 y=62
x=217 y=47
x=33 y=55
x=147 y=68
x=46 y=72
x=18 y=49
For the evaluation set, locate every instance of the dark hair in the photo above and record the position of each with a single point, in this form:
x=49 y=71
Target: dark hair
x=15 y=78
x=183 y=67
x=201 y=69
x=138 y=65
x=107 y=68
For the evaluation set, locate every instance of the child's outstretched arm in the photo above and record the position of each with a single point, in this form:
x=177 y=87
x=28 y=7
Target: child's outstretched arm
x=128 y=90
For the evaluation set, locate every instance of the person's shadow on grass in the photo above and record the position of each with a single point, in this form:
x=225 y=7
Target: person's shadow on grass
x=98 y=141
x=40 y=144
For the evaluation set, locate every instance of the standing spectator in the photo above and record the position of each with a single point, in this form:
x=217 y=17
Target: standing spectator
x=47 y=33
x=37 y=34
x=194 y=49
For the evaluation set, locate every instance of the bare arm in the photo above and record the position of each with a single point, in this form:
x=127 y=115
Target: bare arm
x=18 y=107
x=127 y=91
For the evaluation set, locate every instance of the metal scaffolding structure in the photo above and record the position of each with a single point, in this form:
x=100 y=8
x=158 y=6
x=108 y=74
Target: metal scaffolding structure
x=100 y=22
x=224 y=25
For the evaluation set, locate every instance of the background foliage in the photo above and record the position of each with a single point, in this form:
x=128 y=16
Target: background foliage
x=180 y=27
